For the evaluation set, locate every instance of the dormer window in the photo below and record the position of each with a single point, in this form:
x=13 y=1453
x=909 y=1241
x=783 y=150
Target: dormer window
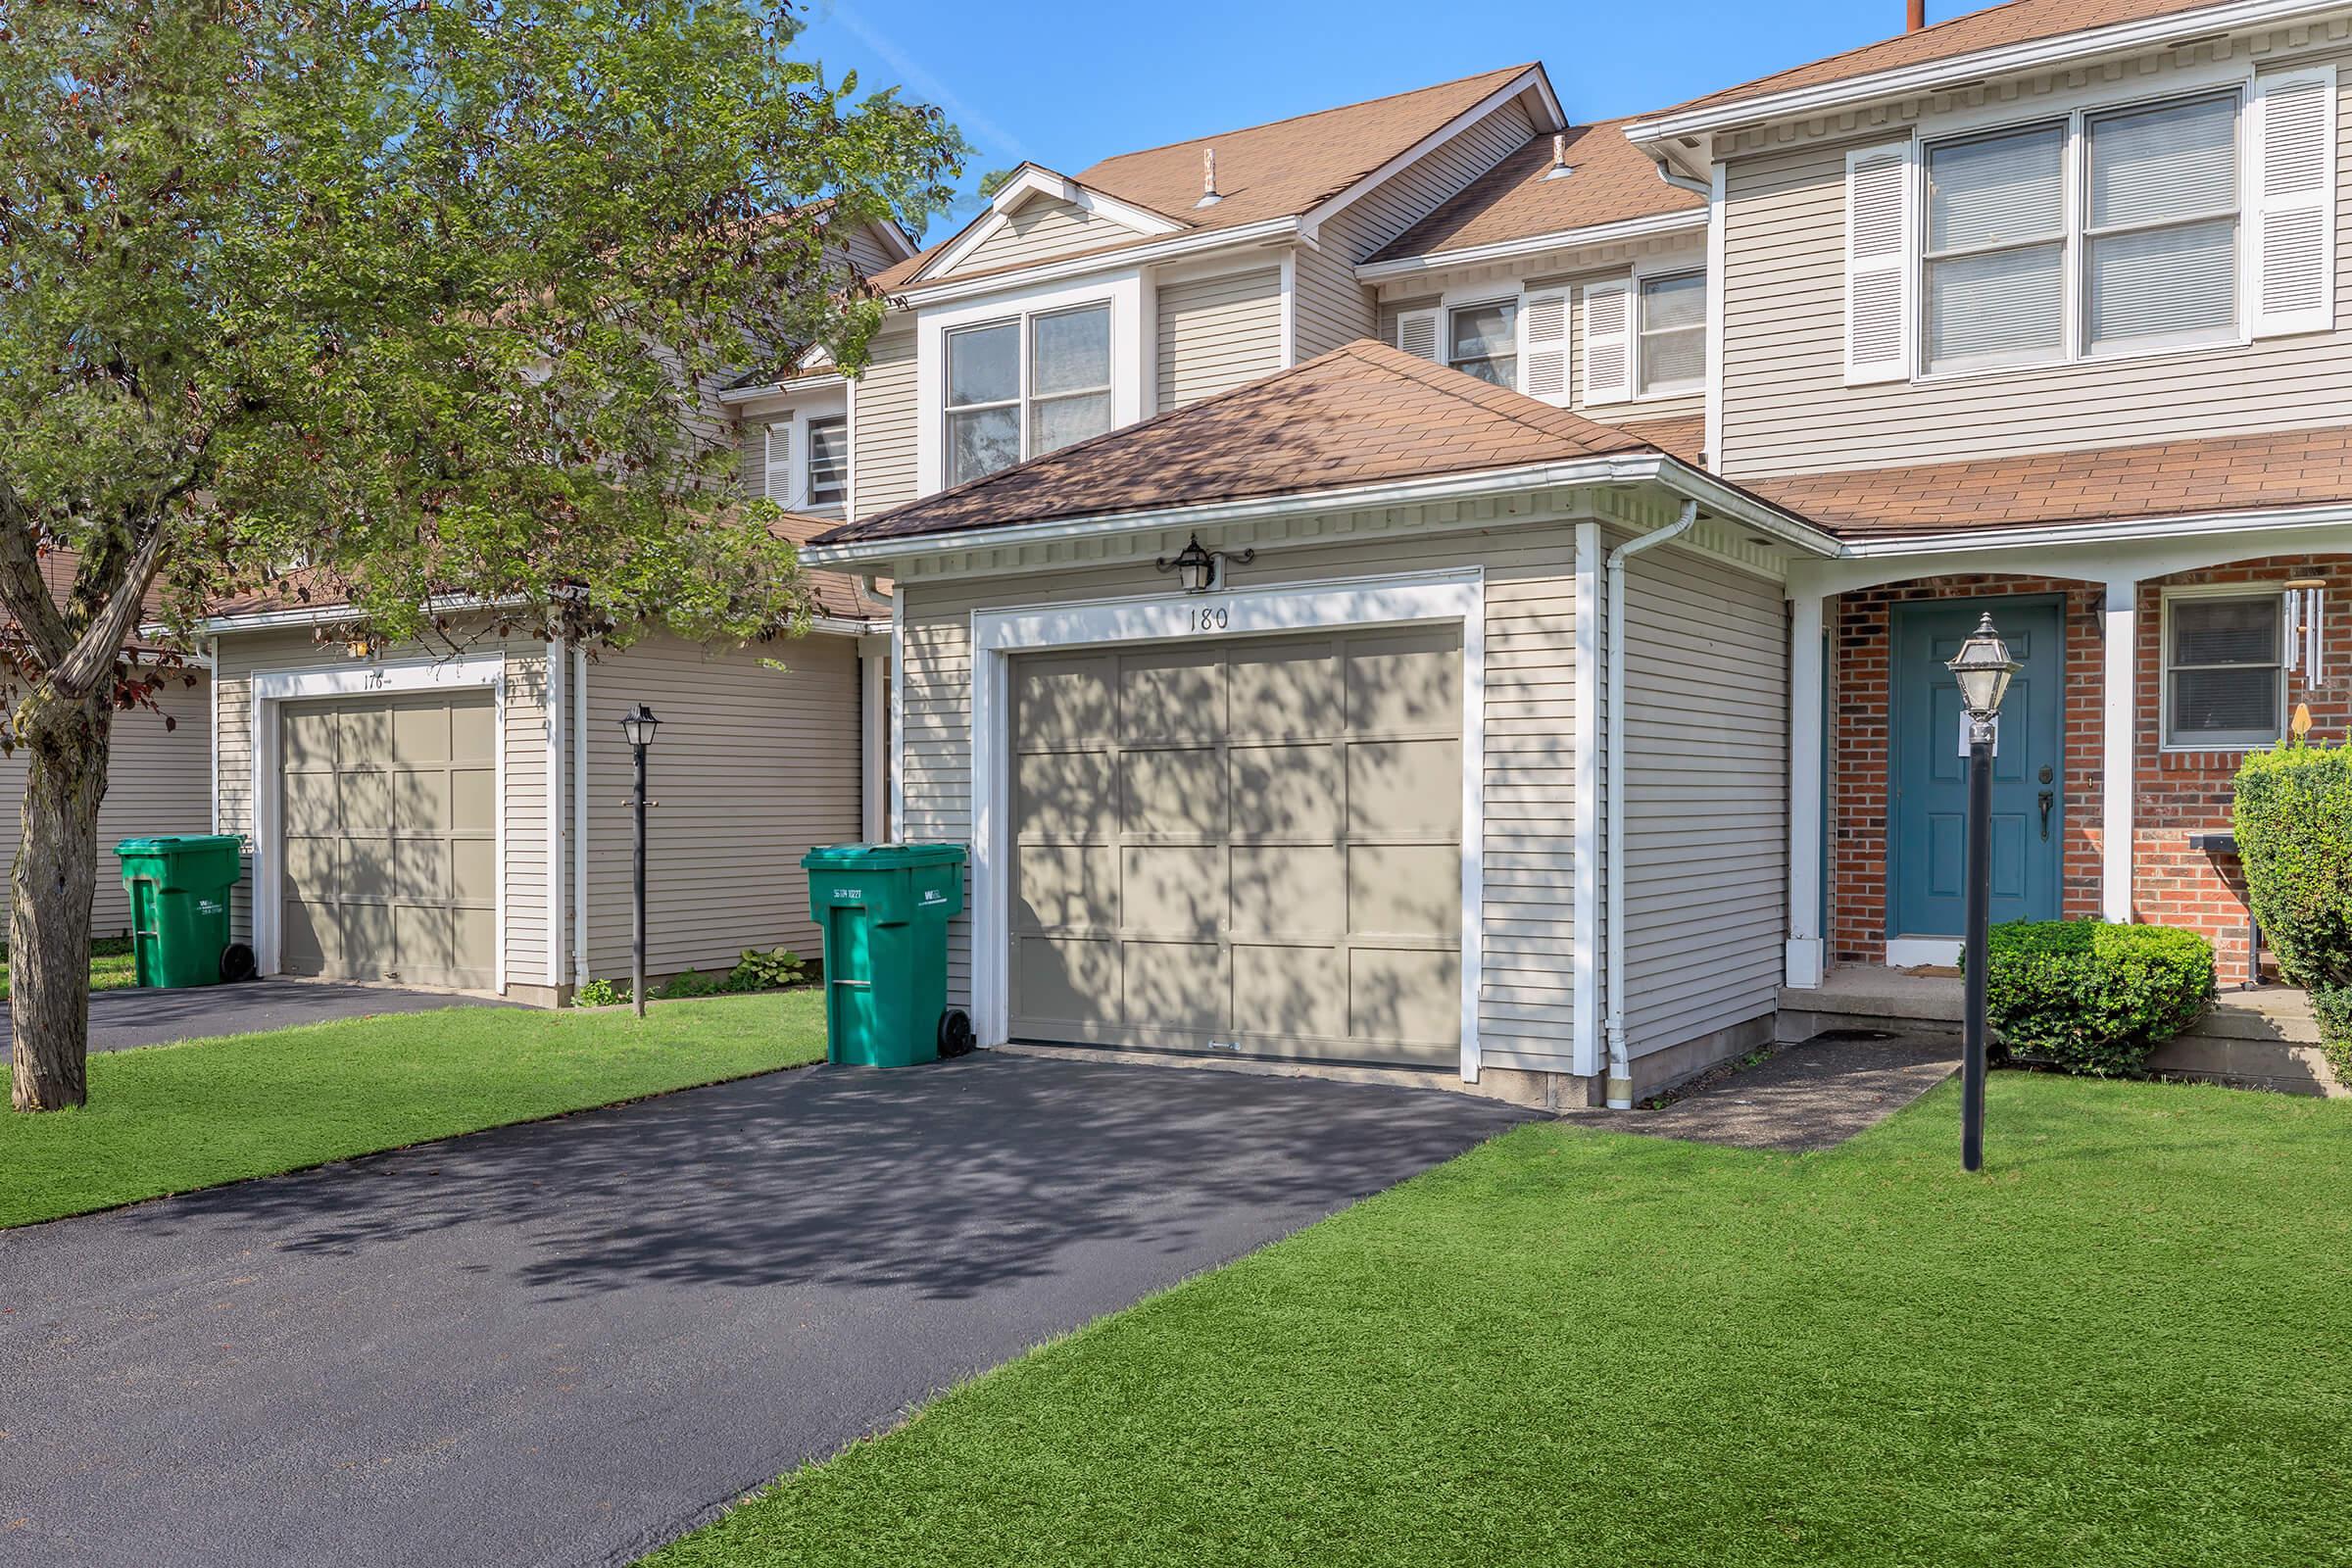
x=1023 y=387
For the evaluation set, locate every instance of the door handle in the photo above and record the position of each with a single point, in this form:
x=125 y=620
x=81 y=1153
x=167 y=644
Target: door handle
x=2048 y=798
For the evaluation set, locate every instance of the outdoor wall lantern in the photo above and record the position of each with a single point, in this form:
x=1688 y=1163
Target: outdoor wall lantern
x=1197 y=568
x=1983 y=669
x=639 y=729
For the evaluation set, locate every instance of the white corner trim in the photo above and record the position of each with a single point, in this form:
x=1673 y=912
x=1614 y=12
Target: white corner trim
x=1531 y=80
x=266 y=689
x=579 y=816
x=1718 y=281
x=873 y=739
x=1583 y=956
x=1807 y=674
x=1586 y=238
x=997 y=634
x=897 y=717
x=554 y=717
x=1953 y=69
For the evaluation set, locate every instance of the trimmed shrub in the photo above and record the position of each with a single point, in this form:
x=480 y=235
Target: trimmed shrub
x=2333 y=1004
x=2090 y=996
x=2293 y=820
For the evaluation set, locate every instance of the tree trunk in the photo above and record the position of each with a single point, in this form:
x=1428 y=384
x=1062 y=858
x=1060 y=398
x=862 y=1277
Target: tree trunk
x=56 y=873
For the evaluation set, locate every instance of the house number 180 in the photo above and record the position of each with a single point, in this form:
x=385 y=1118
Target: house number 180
x=1208 y=618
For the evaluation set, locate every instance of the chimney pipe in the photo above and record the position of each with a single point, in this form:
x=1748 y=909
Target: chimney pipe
x=1209 y=195
x=1915 y=15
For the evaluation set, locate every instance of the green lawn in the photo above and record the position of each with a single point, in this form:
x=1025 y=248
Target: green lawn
x=2129 y=1343
x=112 y=967
x=174 y=1118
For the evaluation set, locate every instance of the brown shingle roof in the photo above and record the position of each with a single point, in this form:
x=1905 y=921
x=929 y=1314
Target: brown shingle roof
x=1613 y=180
x=1682 y=435
x=2162 y=479
x=1362 y=414
x=1280 y=170
x=2020 y=21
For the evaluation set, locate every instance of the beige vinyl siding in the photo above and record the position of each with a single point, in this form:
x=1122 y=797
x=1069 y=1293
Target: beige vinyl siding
x=522 y=812
x=1706 y=797
x=865 y=251
x=753 y=766
x=158 y=780
x=882 y=424
x=1216 y=333
x=1040 y=229
x=1787 y=409
x=1525 y=1010
x=1332 y=307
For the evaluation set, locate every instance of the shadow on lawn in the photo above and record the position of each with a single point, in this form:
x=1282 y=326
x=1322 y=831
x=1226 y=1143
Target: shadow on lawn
x=944 y=1181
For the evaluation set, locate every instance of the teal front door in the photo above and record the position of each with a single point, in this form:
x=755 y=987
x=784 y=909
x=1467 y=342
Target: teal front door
x=1927 y=773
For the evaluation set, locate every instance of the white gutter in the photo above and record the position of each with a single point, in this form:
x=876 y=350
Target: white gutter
x=788 y=386
x=2109 y=531
x=1503 y=250
x=557 y=657
x=1954 y=71
x=1621 y=1071
x=1623 y=468
x=323 y=615
x=1120 y=260
x=1684 y=182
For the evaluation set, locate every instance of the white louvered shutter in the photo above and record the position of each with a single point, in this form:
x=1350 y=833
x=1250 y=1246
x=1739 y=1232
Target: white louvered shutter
x=776 y=472
x=2292 y=207
x=1543 y=345
x=1878 y=262
x=1609 y=340
x=1417 y=333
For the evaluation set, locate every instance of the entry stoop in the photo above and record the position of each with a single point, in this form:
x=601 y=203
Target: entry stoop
x=2265 y=1039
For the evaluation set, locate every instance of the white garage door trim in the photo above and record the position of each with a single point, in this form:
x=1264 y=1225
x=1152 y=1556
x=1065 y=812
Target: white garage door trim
x=275 y=686
x=1417 y=598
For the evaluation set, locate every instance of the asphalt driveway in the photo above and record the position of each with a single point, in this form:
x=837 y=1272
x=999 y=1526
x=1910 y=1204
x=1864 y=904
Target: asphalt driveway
x=568 y=1341
x=120 y=1020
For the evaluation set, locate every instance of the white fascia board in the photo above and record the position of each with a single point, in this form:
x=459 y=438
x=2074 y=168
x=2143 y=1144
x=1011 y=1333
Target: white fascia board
x=789 y=386
x=1123 y=259
x=325 y=614
x=1034 y=179
x=2126 y=530
x=1719 y=500
x=1531 y=80
x=1503 y=250
x=1955 y=69
x=839 y=627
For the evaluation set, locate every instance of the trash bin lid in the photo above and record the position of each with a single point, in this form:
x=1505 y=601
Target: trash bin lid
x=178 y=843
x=880 y=856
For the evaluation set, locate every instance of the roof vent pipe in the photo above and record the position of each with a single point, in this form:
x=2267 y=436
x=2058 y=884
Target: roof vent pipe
x=1209 y=196
x=1915 y=15
x=1560 y=169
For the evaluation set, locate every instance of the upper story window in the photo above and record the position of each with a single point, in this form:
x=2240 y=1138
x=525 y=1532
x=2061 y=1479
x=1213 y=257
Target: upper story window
x=2105 y=231
x=1021 y=387
x=1483 y=340
x=2224 y=670
x=1672 y=351
x=829 y=461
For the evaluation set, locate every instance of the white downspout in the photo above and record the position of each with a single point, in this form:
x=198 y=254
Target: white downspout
x=580 y=815
x=1621 y=1068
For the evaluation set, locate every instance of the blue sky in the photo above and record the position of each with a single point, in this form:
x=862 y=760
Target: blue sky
x=1067 y=83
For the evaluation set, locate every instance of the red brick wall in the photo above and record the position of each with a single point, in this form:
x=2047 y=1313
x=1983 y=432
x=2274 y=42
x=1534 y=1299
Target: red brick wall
x=2176 y=793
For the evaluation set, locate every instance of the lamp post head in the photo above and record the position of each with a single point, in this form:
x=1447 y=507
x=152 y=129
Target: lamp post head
x=639 y=727
x=1195 y=569
x=1983 y=669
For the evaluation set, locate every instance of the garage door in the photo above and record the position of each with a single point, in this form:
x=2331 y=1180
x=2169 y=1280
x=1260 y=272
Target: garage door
x=1250 y=846
x=390 y=822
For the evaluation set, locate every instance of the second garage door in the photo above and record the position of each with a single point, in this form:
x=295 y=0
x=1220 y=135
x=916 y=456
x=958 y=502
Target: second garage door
x=1253 y=846
x=389 y=821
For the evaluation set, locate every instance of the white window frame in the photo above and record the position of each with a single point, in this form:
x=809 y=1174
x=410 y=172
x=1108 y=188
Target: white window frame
x=2075 y=168
x=2239 y=742
x=1515 y=299
x=1130 y=362
x=805 y=470
x=1642 y=388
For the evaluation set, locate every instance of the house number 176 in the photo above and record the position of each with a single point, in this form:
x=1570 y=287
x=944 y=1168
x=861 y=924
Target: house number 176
x=1208 y=618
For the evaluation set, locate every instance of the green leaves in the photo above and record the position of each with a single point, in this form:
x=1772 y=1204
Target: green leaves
x=2090 y=996
x=395 y=305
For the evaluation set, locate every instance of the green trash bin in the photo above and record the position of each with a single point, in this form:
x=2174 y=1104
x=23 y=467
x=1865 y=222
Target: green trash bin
x=884 y=911
x=179 y=889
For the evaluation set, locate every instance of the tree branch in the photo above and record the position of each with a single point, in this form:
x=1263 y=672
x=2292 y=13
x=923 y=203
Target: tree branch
x=24 y=591
x=94 y=656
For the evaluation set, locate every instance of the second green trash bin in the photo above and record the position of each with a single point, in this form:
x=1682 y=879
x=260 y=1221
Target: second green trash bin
x=884 y=909
x=179 y=889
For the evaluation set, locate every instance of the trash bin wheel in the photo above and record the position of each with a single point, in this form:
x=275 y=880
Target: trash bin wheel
x=955 y=1033
x=237 y=964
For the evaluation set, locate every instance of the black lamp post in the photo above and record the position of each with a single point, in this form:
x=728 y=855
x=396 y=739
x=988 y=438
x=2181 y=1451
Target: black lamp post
x=639 y=727
x=1984 y=668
